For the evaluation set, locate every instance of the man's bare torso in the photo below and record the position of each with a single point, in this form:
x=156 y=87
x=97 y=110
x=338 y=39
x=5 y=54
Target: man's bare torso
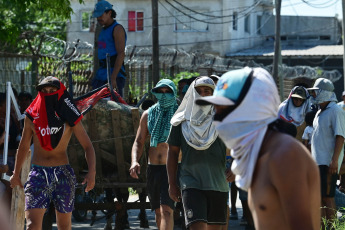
x=57 y=156
x=158 y=155
x=283 y=158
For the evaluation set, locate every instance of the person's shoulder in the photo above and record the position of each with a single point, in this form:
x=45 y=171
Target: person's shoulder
x=145 y=115
x=337 y=109
x=119 y=28
x=284 y=148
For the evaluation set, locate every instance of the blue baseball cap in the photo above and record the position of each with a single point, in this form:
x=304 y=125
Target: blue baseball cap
x=228 y=88
x=100 y=8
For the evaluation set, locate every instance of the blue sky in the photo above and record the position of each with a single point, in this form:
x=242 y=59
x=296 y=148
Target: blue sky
x=327 y=8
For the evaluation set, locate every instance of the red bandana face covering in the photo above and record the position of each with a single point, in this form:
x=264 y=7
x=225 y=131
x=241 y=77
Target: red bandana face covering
x=49 y=113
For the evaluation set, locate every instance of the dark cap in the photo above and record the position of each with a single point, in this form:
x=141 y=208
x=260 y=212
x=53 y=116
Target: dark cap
x=48 y=81
x=299 y=92
x=25 y=94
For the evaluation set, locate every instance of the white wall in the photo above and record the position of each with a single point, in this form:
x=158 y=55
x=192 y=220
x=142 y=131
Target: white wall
x=219 y=39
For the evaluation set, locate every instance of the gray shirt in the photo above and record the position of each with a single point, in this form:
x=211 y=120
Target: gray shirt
x=327 y=125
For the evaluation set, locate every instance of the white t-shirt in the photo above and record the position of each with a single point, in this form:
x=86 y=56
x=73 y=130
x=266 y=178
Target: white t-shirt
x=308 y=132
x=327 y=124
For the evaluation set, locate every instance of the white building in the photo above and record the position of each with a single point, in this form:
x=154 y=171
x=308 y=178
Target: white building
x=218 y=27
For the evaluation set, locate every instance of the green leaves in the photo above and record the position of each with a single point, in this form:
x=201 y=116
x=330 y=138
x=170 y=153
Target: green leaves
x=44 y=16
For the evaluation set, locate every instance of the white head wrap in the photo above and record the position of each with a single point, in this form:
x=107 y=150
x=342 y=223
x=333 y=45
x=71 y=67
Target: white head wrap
x=244 y=128
x=290 y=113
x=323 y=96
x=197 y=126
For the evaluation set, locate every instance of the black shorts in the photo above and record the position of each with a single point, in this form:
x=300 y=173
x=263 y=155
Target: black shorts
x=328 y=182
x=158 y=187
x=205 y=206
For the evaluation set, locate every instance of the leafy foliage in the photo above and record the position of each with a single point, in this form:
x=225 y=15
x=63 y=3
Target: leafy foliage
x=18 y=16
x=179 y=76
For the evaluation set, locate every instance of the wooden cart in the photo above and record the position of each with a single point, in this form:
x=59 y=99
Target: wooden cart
x=112 y=128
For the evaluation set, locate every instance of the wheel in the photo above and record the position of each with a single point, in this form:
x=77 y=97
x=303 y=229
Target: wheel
x=80 y=215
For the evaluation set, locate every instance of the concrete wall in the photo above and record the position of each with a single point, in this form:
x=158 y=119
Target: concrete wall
x=305 y=30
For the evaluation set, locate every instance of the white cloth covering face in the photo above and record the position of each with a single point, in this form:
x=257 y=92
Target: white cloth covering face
x=243 y=130
x=292 y=114
x=197 y=126
x=323 y=96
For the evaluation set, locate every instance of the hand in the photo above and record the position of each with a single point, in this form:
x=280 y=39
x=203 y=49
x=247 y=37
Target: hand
x=333 y=167
x=174 y=192
x=230 y=176
x=89 y=180
x=15 y=181
x=134 y=170
x=113 y=82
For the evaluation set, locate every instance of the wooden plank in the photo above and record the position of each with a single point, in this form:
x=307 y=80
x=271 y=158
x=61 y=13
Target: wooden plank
x=17 y=218
x=109 y=206
x=115 y=114
x=135 y=119
x=95 y=137
x=108 y=157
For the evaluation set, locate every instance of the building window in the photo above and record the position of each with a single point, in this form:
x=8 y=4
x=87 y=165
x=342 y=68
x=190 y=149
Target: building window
x=247 y=24
x=86 y=20
x=135 y=20
x=234 y=21
x=184 y=23
x=258 y=24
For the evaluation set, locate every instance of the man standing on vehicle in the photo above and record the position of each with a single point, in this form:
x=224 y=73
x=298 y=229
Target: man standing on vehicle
x=155 y=122
x=112 y=40
x=50 y=121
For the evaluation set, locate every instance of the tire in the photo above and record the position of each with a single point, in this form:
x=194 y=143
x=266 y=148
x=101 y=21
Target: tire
x=80 y=215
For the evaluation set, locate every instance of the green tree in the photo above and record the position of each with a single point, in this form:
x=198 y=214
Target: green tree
x=42 y=16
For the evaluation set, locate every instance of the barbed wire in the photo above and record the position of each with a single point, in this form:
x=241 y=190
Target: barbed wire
x=142 y=56
x=103 y=140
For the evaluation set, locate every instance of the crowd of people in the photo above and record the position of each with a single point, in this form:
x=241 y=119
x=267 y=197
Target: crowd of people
x=210 y=138
x=283 y=182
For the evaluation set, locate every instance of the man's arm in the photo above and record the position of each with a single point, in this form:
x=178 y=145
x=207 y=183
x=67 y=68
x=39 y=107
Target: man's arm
x=172 y=160
x=90 y=156
x=339 y=143
x=120 y=44
x=138 y=145
x=22 y=152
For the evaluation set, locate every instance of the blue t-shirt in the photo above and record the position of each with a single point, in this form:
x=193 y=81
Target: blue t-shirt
x=106 y=44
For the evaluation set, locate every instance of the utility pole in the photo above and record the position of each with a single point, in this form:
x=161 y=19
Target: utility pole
x=343 y=5
x=155 y=44
x=277 y=52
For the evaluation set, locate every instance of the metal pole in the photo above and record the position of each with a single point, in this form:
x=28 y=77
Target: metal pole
x=155 y=43
x=7 y=121
x=343 y=5
x=277 y=52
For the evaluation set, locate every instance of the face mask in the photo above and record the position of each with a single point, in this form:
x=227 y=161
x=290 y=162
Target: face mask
x=160 y=96
x=165 y=99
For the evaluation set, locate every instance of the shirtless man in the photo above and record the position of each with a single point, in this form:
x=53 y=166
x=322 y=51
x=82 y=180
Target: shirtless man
x=267 y=163
x=50 y=121
x=155 y=122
